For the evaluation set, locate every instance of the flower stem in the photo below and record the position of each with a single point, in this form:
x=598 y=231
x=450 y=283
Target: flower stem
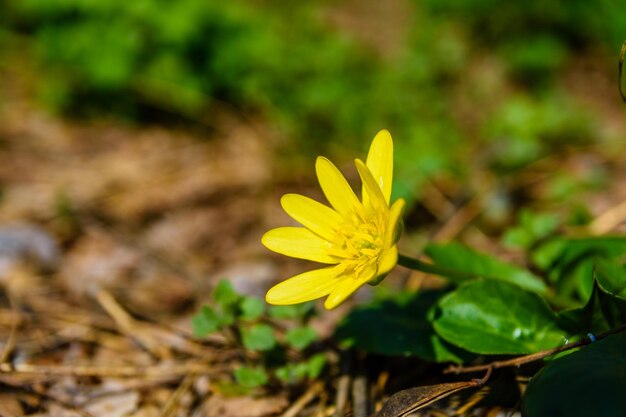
x=418 y=265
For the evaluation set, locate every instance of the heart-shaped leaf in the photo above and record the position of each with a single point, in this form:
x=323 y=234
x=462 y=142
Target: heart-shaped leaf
x=489 y=316
x=399 y=326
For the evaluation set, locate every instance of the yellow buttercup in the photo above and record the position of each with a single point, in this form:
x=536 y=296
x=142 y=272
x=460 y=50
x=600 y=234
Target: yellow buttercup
x=357 y=238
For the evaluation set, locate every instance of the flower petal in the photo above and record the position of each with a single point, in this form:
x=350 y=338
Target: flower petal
x=336 y=188
x=395 y=219
x=299 y=242
x=370 y=188
x=304 y=287
x=380 y=162
x=346 y=287
x=320 y=219
x=387 y=260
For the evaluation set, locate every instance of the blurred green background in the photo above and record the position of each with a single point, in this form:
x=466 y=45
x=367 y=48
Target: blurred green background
x=464 y=86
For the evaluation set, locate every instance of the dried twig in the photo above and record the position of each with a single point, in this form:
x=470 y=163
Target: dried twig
x=129 y=326
x=10 y=343
x=460 y=219
x=343 y=385
x=153 y=371
x=522 y=360
x=310 y=394
x=174 y=399
x=608 y=220
x=156 y=339
x=359 y=396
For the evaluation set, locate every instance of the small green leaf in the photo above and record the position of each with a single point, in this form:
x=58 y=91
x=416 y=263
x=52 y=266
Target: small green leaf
x=588 y=382
x=300 y=337
x=251 y=308
x=547 y=252
x=291 y=312
x=251 y=377
x=458 y=257
x=532 y=227
x=284 y=374
x=205 y=322
x=315 y=365
x=224 y=294
x=295 y=372
x=292 y=372
x=258 y=337
x=495 y=317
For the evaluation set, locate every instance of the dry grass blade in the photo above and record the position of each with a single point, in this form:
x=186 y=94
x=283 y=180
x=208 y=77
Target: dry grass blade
x=155 y=371
x=610 y=219
x=306 y=398
x=10 y=343
x=156 y=339
x=174 y=400
x=129 y=326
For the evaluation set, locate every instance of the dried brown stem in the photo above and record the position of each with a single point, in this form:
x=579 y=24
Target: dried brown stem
x=522 y=360
x=154 y=371
x=306 y=398
x=10 y=343
x=608 y=220
x=174 y=399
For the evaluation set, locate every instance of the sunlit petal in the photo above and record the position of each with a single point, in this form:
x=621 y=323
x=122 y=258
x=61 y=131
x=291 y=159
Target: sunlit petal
x=336 y=188
x=304 y=287
x=346 y=287
x=380 y=162
x=395 y=218
x=387 y=260
x=299 y=242
x=370 y=188
x=315 y=216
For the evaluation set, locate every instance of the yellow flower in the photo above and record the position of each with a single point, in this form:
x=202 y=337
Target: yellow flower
x=357 y=238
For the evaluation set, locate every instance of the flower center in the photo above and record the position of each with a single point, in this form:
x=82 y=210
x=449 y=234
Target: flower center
x=360 y=242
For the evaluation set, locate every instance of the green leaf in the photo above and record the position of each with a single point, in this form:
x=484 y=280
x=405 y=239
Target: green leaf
x=224 y=294
x=300 y=337
x=496 y=317
x=205 y=322
x=596 y=247
x=251 y=377
x=611 y=277
x=547 y=252
x=588 y=382
x=251 y=308
x=292 y=372
x=296 y=372
x=532 y=227
x=569 y=269
x=604 y=309
x=460 y=258
x=315 y=365
x=292 y=311
x=399 y=326
x=258 y=337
